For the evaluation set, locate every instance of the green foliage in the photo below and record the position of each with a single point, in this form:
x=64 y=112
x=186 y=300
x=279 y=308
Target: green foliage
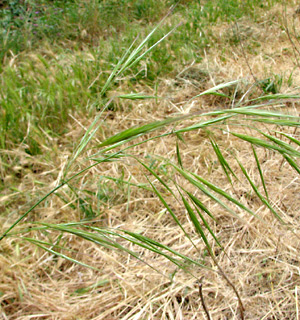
x=25 y=23
x=34 y=96
x=272 y=84
x=41 y=93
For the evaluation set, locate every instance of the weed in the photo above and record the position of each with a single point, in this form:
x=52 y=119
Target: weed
x=196 y=192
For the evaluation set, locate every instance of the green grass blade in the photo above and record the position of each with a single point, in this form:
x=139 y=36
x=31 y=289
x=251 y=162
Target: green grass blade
x=260 y=143
x=196 y=224
x=137 y=59
x=292 y=163
x=255 y=111
x=200 y=205
x=28 y=211
x=93 y=128
x=48 y=194
x=137 y=131
x=260 y=196
x=287 y=147
x=96 y=285
x=214 y=89
x=279 y=122
x=155 y=244
x=260 y=173
x=61 y=255
x=276 y=97
x=116 y=69
x=156 y=176
x=102 y=238
x=292 y=139
x=161 y=198
x=203 y=124
x=45 y=243
x=178 y=155
x=133 y=57
x=136 y=96
x=223 y=162
x=216 y=189
x=118 y=180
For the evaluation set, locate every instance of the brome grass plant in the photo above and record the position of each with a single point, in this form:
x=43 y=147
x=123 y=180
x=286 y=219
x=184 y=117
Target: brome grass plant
x=178 y=200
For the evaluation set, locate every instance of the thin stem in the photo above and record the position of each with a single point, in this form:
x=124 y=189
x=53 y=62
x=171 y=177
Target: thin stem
x=202 y=300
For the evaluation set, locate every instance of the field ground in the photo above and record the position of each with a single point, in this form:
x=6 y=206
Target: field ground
x=51 y=96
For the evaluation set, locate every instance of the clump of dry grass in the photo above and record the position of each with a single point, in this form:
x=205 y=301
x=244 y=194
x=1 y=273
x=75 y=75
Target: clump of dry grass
x=261 y=257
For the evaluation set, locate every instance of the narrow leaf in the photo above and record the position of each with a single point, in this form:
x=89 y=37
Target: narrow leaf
x=202 y=217
x=223 y=161
x=292 y=163
x=255 y=189
x=196 y=224
x=171 y=212
x=178 y=155
x=260 y=172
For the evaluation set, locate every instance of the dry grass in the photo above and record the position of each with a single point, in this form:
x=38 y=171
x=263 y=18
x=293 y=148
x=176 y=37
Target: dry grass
x=262 y=256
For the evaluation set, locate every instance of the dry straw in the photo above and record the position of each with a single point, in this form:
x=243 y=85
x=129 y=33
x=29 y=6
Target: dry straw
x=208 y=194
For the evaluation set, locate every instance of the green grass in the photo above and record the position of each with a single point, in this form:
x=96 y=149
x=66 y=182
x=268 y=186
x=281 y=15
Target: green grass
x=39 y=91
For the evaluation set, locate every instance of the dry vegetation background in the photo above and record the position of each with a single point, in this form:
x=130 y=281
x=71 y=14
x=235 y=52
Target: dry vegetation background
x=262 y=256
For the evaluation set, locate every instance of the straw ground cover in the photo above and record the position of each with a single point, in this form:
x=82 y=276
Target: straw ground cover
x=163 y=200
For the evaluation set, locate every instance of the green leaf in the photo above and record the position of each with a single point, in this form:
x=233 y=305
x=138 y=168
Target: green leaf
x=260 y=172
x=261 y=143
x=286 y=147
x=154 y=244
x=223 y=162
x=61 y=255
x=178 y=155
x=96 y=285
x=211 y=186
x=196 y=224
x=263 y=200
x=292 y=139
x=137 y=131
x=198 y=203
x=171 y=212
x=292 y=163
x=203 y=124
x=135 y=96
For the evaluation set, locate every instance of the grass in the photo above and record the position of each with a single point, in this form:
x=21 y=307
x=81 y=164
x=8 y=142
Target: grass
x=141 y=176
x=45 y=86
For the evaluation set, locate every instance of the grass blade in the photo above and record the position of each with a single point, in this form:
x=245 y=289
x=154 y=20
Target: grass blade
x=203 y=124
x=171 y=212
x=200 y=205
x=255 y=189
x=223 y=161
x=262 y=143
x=196 y=224
x=38 y=244
x=178 y=155
x=196 y=203
x=216 y=189
x=137 y=131
x=93 y=128
x=155 y=244
x=260 y=172
x=287 y=147
x=292 y=163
